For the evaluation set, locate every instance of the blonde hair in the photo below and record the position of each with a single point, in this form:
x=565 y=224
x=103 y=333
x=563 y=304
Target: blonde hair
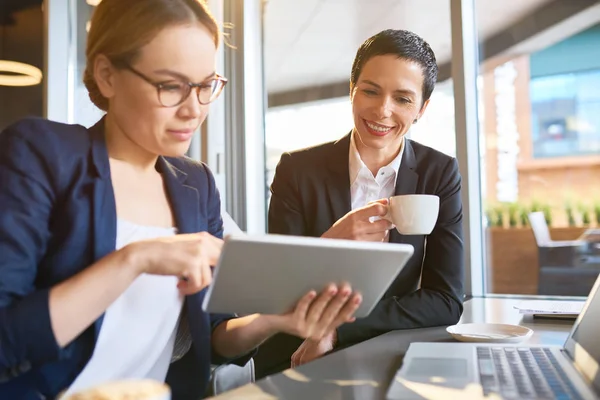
x=120 y=28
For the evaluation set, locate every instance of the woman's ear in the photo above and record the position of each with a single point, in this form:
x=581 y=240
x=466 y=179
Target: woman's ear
x=104 y=75
x=421 y=111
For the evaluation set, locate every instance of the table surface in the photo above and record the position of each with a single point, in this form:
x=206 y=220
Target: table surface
x=364 y=371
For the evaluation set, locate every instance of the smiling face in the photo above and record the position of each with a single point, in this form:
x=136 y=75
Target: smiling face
x=386 y=99
x=177 y=55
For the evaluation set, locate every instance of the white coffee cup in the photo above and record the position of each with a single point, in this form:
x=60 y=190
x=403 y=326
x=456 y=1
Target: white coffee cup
x=413 y=214
x=144 y=389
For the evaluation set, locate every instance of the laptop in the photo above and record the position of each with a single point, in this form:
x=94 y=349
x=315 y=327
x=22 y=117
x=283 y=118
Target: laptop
x=507 y=371
x=268 y=274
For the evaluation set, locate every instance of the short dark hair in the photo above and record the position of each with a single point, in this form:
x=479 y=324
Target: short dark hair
x=403 y=44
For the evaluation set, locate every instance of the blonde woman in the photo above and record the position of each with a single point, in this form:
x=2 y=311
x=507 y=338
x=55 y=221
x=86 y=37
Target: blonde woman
x=107 y=234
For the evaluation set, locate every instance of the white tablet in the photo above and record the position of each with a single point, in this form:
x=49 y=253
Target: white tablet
x=268 y=274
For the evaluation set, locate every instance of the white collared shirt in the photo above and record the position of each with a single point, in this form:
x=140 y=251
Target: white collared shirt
x=364 y=187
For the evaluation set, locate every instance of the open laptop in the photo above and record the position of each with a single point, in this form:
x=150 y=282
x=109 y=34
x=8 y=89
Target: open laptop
x=268 y=274
x=503 y=371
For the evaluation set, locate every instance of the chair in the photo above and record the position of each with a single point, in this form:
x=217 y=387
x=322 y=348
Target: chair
x=537 y=220
x=564 y=265
x=229 y=376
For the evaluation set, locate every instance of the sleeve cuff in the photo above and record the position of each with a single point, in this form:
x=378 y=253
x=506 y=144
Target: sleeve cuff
x=340 y=335
x=217 y=359
x=348 y=335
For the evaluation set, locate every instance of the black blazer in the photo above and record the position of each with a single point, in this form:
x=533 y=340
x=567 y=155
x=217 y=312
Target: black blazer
x=311 y=191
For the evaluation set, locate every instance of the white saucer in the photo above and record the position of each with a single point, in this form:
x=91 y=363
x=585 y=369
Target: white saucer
x=496 y=333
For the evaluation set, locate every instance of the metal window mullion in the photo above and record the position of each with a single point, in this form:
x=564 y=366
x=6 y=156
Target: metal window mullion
x=465 y=63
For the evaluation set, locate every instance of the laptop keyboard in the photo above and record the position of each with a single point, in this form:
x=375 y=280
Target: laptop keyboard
x=523 y=373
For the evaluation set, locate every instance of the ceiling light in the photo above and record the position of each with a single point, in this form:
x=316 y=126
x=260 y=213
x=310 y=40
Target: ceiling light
x=93 y=3
x=26 y=75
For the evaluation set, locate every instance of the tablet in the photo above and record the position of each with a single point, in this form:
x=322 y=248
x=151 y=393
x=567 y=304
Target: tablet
x=268 y=274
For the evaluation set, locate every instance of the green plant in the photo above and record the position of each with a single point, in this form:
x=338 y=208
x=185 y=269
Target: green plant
x=524 y=216
x=570 y=214
x=536 y=205
x=597 y=212
x=499 y=217
x=547 y=210
x=586 y=218
x=513 y=214
x=490 y=216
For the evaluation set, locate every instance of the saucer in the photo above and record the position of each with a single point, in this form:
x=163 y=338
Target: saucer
x=495 y=333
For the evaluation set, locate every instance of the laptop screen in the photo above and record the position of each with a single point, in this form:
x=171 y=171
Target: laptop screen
x=583 y=345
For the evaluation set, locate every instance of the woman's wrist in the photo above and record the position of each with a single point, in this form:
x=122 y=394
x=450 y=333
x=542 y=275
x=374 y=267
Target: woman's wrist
x=270 y=324
x=133 y=259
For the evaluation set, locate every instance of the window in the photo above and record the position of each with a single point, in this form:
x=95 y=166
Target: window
x=303 y=125
x=565 y=119
x=22 y=41
x=540 y=132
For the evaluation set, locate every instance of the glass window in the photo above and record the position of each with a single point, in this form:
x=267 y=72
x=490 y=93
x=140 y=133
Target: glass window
x=84 y=111
x=540 y=150
x=293 y=127
x=436 y=127
x=565 y=119
x=22 y=42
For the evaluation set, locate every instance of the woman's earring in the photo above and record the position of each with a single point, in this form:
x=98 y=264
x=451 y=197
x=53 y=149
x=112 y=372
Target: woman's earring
x=415 y=121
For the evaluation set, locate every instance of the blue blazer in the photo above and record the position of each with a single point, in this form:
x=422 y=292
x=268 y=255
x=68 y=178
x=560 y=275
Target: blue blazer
x=58 y=216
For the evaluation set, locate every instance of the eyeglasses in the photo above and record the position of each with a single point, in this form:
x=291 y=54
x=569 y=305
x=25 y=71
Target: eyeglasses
x=174 y=93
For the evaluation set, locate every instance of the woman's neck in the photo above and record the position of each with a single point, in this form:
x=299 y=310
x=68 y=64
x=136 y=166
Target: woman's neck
x=122 y=148
x=373 y=158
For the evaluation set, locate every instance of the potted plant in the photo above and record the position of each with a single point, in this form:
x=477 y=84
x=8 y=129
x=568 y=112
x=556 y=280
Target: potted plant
x=547 y=214
x=586 y=218
x=570 y=214
x=513 y=214
x=490 y=216
x=524 y=216
x=499 y=216
x=536 y=206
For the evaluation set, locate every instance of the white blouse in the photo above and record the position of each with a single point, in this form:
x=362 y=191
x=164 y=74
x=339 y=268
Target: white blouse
x=139 y=328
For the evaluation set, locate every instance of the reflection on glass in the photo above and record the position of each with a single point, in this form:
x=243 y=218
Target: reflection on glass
x=540 y=132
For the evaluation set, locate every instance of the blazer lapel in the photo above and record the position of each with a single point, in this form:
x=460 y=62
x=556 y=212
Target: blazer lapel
x=406 y=183
x=104 y=218
x=337 y=183
x=407 y=179
x=104 y=208
x=185 y=205
x=184 y=199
